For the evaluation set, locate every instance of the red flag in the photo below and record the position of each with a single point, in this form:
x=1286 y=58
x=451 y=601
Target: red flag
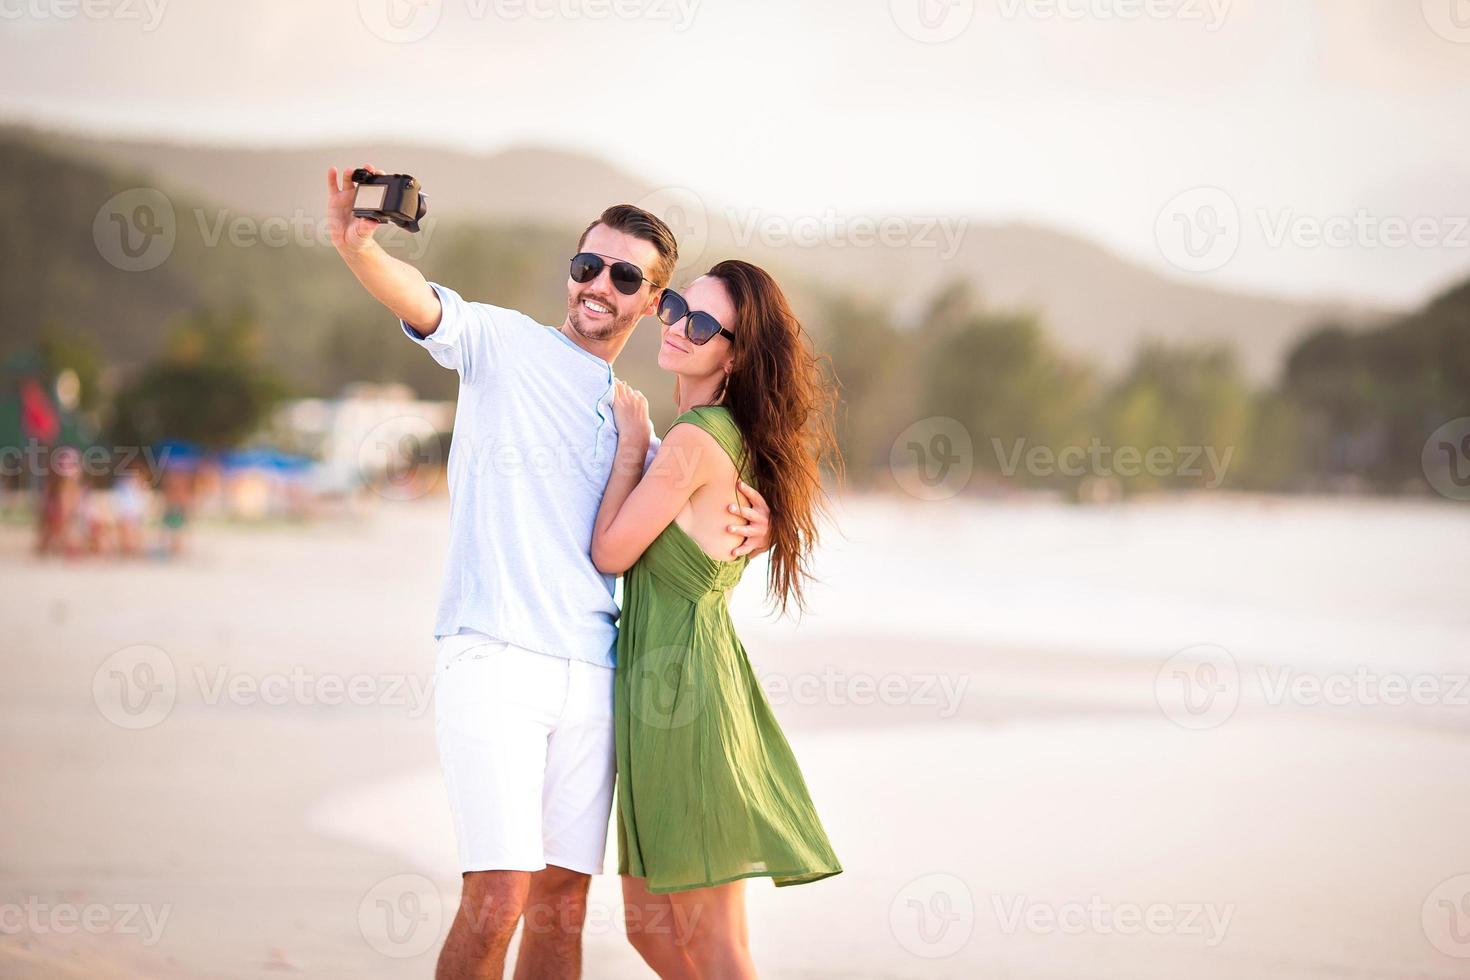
x=38 y=418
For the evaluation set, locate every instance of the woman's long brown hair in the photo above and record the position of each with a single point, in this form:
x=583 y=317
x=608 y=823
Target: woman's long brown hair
x=782 y=395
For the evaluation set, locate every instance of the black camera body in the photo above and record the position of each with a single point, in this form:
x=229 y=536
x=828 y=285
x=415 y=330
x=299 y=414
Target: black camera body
x=389 y=197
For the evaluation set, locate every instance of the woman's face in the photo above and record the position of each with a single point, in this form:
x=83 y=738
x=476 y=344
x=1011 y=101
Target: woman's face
x=677 y=354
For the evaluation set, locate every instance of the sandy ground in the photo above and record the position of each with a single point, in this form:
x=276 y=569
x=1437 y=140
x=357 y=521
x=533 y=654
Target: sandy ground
x=225 y=767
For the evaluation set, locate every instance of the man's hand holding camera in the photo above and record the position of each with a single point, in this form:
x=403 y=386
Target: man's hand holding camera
x=354 y=211
x=348 y=232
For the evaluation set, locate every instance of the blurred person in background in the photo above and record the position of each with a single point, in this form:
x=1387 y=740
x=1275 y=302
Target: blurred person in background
x=57 y=520
x=178 y=501
x=526 y=625
x=98 y=520
x=708 y=790
x=130 y=499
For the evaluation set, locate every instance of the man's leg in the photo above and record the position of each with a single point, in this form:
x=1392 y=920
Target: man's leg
x=551 y=936
x=575 y=803
x=490 y=902
x=495 y=705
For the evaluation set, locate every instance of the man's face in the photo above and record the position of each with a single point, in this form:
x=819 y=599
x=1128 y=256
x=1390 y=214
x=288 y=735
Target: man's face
x=595 y=309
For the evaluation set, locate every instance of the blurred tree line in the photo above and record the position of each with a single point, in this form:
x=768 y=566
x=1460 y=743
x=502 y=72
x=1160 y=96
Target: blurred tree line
x=212 y=385
x=201 y=347
x=1366 y=401
x=210 y=388
x=1351 y=410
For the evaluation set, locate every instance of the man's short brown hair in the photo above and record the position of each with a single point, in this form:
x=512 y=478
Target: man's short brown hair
x=632 y=220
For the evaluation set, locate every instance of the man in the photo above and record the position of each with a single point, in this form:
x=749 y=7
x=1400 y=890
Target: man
x=526 y=624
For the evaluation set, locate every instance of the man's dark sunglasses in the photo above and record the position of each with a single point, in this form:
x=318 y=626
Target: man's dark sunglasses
x=626 y=277
x=702 y=327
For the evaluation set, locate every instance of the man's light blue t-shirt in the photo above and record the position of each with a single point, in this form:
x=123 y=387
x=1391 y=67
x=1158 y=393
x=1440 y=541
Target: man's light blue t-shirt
x=534 y=440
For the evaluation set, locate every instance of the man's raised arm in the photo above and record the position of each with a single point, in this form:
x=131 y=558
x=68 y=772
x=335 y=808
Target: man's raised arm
x=394 y=283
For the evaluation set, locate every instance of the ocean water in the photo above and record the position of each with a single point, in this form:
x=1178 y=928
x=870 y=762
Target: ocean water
x=1307 y=582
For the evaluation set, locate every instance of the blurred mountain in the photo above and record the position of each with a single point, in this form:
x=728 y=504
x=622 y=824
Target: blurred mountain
x=522 y=185
x=1093 y=302
x=69 y=269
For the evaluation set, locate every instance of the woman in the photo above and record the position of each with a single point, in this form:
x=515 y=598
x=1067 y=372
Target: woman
x=708 y=791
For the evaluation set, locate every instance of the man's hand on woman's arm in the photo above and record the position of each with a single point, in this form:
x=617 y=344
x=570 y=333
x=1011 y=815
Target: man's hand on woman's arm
x=616 y=544
x=394 y=283
x=757 y=526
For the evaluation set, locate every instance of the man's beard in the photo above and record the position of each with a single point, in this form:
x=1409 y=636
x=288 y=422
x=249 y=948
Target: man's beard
x=620 y=324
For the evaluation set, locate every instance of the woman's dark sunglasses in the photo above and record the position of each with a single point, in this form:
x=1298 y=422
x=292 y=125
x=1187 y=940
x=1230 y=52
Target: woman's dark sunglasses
x=626 y=277
x=702 y=327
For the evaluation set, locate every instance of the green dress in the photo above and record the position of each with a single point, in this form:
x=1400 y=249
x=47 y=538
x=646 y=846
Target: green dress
x=708 y=790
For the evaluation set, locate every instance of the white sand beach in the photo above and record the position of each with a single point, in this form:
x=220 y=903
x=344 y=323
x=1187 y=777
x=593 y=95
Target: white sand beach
x=225 y=766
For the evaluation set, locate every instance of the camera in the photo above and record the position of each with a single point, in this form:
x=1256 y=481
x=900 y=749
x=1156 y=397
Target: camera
x=389 y=197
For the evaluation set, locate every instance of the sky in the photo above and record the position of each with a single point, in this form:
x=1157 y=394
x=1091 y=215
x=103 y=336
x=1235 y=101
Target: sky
x=1312 y=148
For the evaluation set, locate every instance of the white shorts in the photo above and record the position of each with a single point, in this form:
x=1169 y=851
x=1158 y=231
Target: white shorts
x=526 y=742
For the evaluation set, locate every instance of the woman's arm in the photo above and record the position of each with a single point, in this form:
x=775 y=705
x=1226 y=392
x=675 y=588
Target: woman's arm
x=635 y=511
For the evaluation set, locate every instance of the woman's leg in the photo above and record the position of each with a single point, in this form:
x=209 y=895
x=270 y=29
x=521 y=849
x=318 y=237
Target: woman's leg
x=655 y=932
x=718 y=942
